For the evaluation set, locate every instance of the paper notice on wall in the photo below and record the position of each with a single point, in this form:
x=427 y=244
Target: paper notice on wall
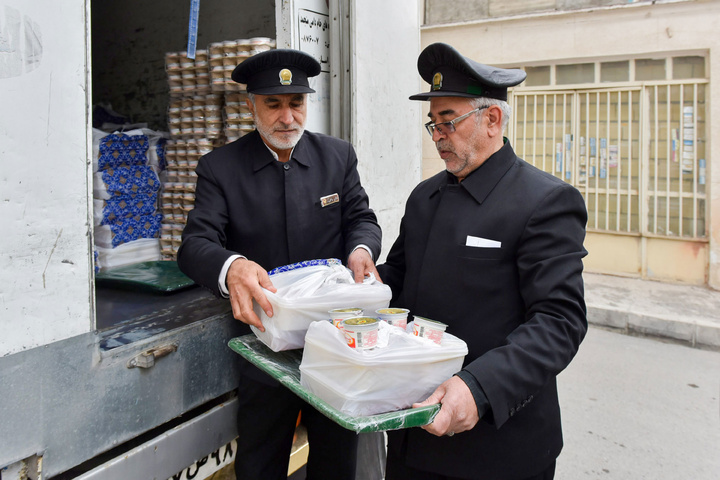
x=613 y=156
x=603 y=157
x=313 y=38
x=559 y=157
x=568 y=155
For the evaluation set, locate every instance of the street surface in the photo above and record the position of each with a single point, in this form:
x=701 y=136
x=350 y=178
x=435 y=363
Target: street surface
x=639 y=408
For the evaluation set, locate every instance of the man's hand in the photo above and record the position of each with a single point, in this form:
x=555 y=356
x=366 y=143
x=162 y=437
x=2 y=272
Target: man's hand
x=245 y=281
x=362 y=265
x=458 y=412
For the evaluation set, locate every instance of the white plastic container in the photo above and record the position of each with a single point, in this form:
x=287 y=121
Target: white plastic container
x=337 y=315
x=396 y=317
x=430 y=329
x=361 y=332
x=386 y=378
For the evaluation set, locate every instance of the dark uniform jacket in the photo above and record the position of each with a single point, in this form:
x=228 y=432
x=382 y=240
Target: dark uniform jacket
x=248 y=203
x=516 y=298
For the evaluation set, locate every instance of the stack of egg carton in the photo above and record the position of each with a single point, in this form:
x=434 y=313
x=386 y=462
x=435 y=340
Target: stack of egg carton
x=206 y=110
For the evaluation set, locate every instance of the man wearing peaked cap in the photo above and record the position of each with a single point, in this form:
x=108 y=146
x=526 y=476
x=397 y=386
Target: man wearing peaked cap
x=499 y=262
x=278 y=196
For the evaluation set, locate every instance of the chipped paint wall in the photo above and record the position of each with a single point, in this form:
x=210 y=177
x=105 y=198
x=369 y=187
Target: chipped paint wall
x=44 y=248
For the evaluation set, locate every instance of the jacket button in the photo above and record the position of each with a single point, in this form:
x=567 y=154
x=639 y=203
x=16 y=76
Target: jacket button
x=286 y=166
x=512 y=412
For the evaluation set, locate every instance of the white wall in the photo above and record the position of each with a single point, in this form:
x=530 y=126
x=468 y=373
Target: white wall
x=387 y=126
x=44 y=246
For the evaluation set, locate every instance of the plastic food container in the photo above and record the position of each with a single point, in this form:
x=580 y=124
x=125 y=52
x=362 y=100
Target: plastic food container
x=361 y=332
x=394 y=316
x=337 y=315
x=430 y=329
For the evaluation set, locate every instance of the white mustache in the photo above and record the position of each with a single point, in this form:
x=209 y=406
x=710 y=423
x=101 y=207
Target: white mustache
x=442 y=146
x=292 y=126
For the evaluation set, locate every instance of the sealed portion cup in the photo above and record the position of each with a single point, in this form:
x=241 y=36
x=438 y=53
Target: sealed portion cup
x=337 y=315
x=396 y=317
x=430 y=329
x=361 y=332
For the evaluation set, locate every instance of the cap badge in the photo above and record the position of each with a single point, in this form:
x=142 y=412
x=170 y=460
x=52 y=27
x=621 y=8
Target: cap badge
x=285 y=77
x=437 y=81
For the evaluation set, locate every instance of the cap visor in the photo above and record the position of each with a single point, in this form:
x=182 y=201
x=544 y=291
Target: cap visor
x=429 y=95
x=279 y=90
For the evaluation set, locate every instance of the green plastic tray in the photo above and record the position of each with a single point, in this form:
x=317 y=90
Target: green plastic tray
x=161 y=276
x=285 y=368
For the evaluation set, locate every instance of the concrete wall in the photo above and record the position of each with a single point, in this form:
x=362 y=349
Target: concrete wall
x=441 y=11
x=44 y=184
x=634 y=30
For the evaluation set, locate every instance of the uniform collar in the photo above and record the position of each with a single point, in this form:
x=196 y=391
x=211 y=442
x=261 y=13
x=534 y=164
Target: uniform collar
x=481 y=181
x=264 y=155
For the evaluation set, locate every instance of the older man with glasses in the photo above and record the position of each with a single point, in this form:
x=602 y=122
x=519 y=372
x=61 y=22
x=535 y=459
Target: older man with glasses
x=492 y=247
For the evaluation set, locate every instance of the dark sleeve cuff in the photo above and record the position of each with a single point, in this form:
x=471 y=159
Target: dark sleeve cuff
x=481 y=400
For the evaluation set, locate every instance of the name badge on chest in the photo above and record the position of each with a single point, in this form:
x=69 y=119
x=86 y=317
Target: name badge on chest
x=329 y=199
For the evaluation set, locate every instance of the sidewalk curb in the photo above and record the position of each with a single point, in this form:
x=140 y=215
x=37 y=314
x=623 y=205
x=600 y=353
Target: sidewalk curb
x=694 y=333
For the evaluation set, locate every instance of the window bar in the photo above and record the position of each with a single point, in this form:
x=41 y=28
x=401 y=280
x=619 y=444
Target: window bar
x=618 y=168
x=575 y=148
x=587 y=145
x=568 y=158
x=524 y=129
x=681 y=141
x=597 y=158
x=544 y=137
x=656 y=137
x=647 y=153
x=534 y=129
x=695 y=160
x=668 y=162
x=607 y=161
x=554 y=163
x=563 y=159
x=630 y=161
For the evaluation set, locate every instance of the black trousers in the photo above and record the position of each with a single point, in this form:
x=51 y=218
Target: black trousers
x=397 y=470
x=266 y=424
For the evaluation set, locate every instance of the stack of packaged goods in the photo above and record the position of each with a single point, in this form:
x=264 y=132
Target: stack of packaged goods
x=127 y=167
x=207 y=109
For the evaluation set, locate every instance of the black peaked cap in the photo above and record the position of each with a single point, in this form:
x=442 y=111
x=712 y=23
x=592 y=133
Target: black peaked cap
x=277 y=71
x=451 y=74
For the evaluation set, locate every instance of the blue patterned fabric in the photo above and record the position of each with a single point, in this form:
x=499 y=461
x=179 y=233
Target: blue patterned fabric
x=307 y=263
x=121 y=150
x=131 y=205
x=130 y=180
x=129 y=229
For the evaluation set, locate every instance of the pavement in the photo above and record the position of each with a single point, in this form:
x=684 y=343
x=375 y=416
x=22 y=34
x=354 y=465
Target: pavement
x=686 y=314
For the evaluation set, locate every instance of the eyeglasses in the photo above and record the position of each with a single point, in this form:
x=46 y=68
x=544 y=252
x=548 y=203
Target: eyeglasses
x=445 y=128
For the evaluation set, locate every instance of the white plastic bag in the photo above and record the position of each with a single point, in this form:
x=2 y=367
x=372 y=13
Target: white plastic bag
x=387 y=378
x=305 y=293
